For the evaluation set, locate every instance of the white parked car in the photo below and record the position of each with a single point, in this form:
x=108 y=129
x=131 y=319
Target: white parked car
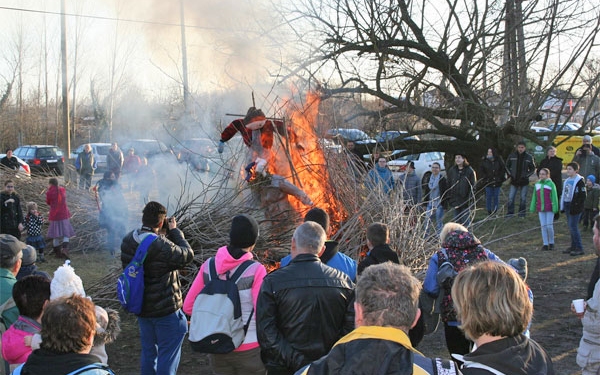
x=24 y=170
x=564 y=127
x=423 y=162
x=539 y=129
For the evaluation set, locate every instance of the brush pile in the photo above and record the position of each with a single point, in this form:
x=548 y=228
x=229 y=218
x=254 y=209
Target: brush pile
x=204 y=208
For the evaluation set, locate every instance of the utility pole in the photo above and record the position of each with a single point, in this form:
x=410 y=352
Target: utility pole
x=65 y=83
x=184 y=69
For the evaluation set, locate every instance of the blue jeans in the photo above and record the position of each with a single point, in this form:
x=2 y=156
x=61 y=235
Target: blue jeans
x=573 y=223
x=547 y=224
x=161 y=340
x=491 y=198
x=439 y=218
x=522 y=202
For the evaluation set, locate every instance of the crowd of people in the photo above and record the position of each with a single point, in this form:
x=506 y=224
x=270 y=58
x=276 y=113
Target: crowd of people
x=577 y=197
x=324 y=313
x=320 y=312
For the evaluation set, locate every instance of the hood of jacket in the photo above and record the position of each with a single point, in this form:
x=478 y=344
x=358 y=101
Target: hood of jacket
x=460 y=240
x=512 y=355
x=225 y=261
x=43 y=361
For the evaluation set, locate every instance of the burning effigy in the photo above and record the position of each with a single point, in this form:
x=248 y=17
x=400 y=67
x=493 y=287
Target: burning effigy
x=286 y=169
x=276 y=173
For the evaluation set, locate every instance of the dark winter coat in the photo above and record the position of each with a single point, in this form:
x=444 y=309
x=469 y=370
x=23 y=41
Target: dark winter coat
x=11 y=214
x=45 y=362
x=492 y=172
x=166 y=255
x=511 y=356
x=461 y=183
x=85 y=163
x=520 y=167
x=11 y=163
x=114 y=160
x=588 y=165
x=302 y=310
x=378 y=254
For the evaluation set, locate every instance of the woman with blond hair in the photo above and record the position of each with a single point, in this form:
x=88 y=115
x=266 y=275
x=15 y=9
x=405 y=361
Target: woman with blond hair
x=493 y=305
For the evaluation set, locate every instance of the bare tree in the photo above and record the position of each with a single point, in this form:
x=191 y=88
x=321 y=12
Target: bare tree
x=465 y=69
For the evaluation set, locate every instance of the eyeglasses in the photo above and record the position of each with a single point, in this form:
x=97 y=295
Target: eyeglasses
x=10 y=187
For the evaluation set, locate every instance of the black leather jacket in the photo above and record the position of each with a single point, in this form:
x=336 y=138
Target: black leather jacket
x=166 y=255
x=302 y=310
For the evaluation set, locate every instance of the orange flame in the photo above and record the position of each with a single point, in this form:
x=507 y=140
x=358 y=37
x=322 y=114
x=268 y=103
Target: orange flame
x=302 y=161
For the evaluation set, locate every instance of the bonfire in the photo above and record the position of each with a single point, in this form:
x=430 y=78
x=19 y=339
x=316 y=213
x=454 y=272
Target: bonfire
x=204 y=206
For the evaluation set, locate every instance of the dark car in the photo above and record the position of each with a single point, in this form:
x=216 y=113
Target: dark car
x=357 y=136
x=42 y=158
x=390 y=135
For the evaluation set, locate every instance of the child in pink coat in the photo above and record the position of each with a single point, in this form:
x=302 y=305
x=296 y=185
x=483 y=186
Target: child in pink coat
x=31 y=294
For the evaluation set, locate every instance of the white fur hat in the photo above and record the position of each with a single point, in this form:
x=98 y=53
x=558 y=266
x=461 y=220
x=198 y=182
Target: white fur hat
x=65 y=282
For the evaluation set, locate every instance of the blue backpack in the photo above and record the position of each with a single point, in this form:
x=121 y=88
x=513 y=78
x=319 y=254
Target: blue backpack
x=130 y=284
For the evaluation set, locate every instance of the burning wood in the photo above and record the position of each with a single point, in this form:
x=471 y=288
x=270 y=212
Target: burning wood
x=204 y=212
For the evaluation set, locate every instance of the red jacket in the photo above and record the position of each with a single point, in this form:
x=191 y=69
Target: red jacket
x=56 y=198
x=267 y=130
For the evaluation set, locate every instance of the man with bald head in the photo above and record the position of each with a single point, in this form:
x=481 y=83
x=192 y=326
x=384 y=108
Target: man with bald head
x=303 y=308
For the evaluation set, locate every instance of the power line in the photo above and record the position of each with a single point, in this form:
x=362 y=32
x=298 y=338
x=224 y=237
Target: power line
x=107 y=18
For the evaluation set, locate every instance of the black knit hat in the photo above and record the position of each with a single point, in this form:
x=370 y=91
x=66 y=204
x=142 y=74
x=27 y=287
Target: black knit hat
x=252 y=114
x=244 y=231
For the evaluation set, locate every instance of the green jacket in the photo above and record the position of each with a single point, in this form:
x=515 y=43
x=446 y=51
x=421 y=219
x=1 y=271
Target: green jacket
x=7 y=280
x=545 y=197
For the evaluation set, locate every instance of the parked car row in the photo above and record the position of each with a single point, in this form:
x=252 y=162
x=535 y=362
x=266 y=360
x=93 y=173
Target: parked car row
x=557 y=127
x=42 y=158
x=359 y=137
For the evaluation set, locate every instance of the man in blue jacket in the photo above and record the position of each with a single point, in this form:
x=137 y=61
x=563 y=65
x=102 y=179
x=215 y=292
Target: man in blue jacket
x=331 y=256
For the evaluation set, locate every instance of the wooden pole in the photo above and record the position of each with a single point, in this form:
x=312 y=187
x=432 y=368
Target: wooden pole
x=65 y=85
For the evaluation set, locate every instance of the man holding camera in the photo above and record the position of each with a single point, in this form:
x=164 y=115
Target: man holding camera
x=589 y=163
x=162 y=323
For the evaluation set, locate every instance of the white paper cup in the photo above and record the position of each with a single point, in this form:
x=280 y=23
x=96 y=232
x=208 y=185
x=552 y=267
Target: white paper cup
x=578 y=305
